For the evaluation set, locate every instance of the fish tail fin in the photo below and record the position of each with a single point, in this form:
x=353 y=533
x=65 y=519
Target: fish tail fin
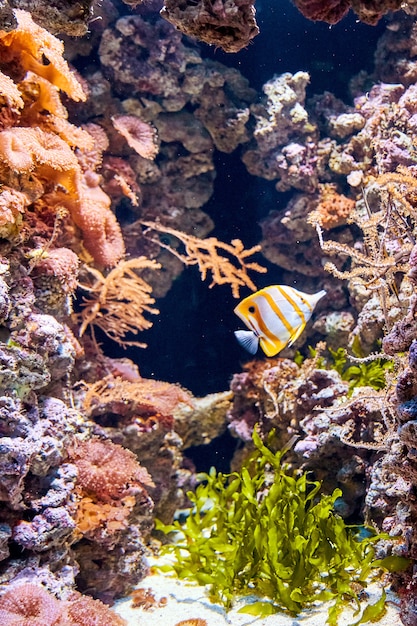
x=248 y=340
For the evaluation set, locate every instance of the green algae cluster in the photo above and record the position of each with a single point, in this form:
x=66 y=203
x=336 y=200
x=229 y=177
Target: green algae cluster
x=269 y=532
x=365 y=373
x=361 y=374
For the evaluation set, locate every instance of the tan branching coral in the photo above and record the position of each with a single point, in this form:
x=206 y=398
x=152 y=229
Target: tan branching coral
x=389 y=230
x=29 y=45
x=117 y=302
x=212 y=255
x=140 y=135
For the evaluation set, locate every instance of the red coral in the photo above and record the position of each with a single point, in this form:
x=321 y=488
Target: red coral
x=330 y=11
x=61 y=263
x=84 y=611
x=30 y=605
x=106 y=470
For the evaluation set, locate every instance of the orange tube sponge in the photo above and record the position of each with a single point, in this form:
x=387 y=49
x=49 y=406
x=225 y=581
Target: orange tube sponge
x=29 y=44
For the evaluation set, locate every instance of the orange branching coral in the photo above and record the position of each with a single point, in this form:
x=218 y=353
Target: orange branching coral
x=106 y=471
x=29 y=45
x=117 y=302
x=140 y=135
x=333 y=209
x=142 y=397
x=209 y=255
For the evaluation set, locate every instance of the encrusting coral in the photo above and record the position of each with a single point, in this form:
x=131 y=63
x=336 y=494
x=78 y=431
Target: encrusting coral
x=229 y=25
x=332 y=11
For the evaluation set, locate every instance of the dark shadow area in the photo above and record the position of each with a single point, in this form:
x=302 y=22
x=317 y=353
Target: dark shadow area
x=288 y=42
x=217 y=453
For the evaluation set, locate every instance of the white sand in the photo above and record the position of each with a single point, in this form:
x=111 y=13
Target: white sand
x=185 y=601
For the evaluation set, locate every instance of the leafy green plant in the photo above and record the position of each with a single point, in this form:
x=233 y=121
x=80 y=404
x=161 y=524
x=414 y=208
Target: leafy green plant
x=266 y=531
x=361 y=374
x=358 y=374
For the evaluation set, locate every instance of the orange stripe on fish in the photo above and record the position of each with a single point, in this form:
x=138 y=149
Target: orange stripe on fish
x=277 y=310
x=286 y=295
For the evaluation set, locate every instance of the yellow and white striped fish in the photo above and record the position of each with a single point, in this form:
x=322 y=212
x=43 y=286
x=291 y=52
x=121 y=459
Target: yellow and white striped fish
x=276 y=316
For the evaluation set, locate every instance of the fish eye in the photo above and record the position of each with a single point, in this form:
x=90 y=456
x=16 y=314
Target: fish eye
x=251 y=309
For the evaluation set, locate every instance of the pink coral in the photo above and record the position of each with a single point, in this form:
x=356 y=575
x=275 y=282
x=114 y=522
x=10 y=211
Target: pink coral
x=140 y=135
x=85 y=611
x=30 y=605
x=101 y=231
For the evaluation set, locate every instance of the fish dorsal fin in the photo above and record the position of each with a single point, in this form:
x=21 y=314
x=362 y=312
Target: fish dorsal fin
x=248 y=340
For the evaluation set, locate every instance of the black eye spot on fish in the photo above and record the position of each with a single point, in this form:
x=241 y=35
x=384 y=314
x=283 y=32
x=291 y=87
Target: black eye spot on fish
x=251 y=309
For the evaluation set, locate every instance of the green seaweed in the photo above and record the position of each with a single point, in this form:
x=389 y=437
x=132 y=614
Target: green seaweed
x=267 y=531
x=359 y=374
